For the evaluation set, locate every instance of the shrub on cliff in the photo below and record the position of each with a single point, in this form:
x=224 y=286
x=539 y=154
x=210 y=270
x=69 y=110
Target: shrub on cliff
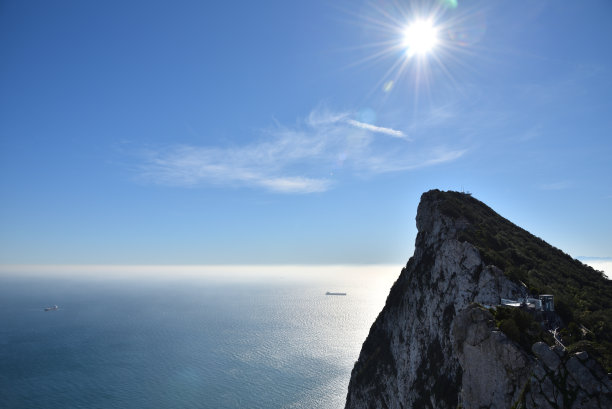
x=521 y=327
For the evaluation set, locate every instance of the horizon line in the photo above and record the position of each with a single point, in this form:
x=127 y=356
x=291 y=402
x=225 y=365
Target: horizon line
x=212 y=271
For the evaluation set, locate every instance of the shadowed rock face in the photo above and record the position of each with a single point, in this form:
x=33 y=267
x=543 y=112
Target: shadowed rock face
x=418 y=354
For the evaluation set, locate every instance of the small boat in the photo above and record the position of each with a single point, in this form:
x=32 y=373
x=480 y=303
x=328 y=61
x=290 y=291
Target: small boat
x=330 y=293
x=55 y=307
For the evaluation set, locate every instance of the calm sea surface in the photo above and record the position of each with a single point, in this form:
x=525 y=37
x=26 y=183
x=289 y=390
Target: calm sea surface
x=191 y=343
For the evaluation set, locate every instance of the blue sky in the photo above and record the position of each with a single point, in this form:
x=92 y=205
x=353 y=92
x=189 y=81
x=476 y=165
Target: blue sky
x=282 y=132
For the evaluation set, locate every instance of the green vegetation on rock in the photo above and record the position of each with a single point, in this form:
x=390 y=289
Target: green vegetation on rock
x=583 y=295
x=521 y=327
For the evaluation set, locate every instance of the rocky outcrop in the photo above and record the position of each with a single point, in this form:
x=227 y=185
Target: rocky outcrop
x=499 y=374
x=572 y=381
x=429 y=348
x=495 y=369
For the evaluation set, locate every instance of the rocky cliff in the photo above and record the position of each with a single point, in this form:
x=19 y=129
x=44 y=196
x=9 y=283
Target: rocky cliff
x=432 y=347
x=498 y=373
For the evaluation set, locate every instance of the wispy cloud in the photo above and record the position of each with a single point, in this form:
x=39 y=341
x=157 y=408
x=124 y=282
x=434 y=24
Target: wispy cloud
x=295 y=184
x=304 y=158
x=373 y=128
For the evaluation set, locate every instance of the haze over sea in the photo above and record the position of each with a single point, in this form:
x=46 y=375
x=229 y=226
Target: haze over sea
x=185 y=337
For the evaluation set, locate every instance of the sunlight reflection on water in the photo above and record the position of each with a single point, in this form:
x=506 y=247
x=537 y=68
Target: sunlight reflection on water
x=193 y=341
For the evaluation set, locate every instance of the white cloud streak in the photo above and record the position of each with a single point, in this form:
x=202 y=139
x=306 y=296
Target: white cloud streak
x=373 y=128
x=296 y=159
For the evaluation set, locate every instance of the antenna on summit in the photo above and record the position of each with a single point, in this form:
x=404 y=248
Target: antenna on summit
x=464 y=192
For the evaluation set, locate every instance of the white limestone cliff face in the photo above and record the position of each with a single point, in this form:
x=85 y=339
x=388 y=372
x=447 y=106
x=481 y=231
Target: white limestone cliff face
x=495 y=370
x=499 y=374
x=408 y=360
x=418 y=354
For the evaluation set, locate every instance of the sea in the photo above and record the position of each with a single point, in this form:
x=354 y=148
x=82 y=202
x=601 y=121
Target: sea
x=185 y=341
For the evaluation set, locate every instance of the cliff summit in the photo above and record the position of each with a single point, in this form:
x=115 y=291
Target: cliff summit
x=443 y=339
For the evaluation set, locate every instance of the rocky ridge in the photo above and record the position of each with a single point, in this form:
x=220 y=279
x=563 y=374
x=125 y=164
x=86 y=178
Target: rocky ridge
x=431 y=348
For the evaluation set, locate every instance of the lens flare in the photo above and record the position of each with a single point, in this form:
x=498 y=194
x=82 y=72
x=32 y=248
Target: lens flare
x=449 y=3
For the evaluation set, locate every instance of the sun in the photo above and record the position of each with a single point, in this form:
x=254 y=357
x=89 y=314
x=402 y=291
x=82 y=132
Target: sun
x=420 y=37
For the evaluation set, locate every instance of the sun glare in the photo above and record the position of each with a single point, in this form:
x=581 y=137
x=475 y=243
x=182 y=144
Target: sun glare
x=420 y=37
x=424 y=41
